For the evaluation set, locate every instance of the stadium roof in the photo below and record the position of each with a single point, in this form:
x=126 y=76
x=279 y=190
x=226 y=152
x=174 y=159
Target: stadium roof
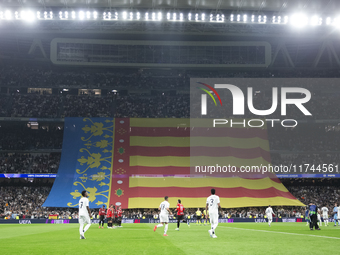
x=319 y=6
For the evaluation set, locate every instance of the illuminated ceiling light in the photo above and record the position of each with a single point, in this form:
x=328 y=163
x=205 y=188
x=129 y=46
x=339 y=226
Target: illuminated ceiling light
x=285 y=20
x=181 y=16
x=203 y=16
x=279 y=19
x=160 y=16
x=299 y=20
x=153 y=16
x=232 y=17
x=146 y=16
x=81 y=15
x=1 y=15
x=138 y=15
x=252 y=18
x=189 y=16
x=238 y=17
x=95 y=15
x=196 y=17
x=73 y=14
x=222 y=19
x=336 y=22
x=245 y=17
x=211 y=17
x=168 y=16
x=116 y=16
x=88 y=15
x=314 y=21
x=328 y=21
x=124 y=15
x=8 y=15
x=264 y=19
x=38 y=15
x=131 y=16
x=174 y=16
x=259 y=18
x=16 y=15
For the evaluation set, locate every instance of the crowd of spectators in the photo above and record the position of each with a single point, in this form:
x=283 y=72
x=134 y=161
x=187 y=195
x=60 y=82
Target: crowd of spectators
x=18 y=137
x=29 y=163
x=26 y=202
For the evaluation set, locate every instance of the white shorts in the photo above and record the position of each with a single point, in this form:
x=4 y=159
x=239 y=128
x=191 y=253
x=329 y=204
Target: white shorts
x=214 y=218
x=270 y=217
x=84 y=219
x=325 y=216
x=164 y=218
x=319 y=217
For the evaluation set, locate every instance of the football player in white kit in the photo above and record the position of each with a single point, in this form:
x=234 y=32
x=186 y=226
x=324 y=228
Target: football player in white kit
x=319 y=218
x=84 y=214
x=212 y=206
x=324 y=211
x=269 y=212
x=164 y=215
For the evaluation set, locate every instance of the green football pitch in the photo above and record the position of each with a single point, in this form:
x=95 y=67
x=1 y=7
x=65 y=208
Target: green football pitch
x=233 y=238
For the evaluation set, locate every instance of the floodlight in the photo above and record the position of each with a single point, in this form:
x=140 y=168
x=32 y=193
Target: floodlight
x=299 y=20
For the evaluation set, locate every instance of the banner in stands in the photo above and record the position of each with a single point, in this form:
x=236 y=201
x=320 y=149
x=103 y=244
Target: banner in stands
x=125 y=221
x=86 y=163
x=135 y=162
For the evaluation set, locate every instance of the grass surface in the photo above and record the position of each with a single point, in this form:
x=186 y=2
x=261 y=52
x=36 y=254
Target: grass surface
x=233 y=238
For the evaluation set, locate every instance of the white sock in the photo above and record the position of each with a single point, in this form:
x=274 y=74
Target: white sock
x=81 y=229
x=87 y=227
x=165 y=228
x=159 y=225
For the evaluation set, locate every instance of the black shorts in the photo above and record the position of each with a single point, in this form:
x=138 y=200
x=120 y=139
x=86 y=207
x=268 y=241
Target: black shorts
x=180 y=217
x=119 y=219
x=109 y=219
x=101 y=217
x=114 y=219
x=198 y=217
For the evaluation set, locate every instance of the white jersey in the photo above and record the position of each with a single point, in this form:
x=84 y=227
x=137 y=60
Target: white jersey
x=213 y=202
x=164 y=205
x=83 y=204
x=269 y=212
x=324 y=210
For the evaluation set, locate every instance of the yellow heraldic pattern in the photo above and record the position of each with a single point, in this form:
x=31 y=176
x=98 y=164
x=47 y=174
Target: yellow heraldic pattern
x=94 y=163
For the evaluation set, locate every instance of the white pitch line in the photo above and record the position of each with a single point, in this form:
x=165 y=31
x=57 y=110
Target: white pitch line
x=287 y=233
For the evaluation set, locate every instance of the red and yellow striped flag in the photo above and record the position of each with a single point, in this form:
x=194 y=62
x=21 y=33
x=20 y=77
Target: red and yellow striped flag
x=151 y=160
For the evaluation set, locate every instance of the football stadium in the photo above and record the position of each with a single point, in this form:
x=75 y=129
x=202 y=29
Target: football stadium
x=169 y=127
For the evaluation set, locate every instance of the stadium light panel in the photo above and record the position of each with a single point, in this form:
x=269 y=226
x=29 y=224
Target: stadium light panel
x=211 y=17
x=73 y=15
x=252 y=18
x=95 y=15
x=245 y=17
x=81 y=15
x=299 y=20
x=88 y=15
x=202 y=16
x=315 y=20
x=181 y=16
x=285 y=21
x=238 y=17
x=131 y=16
x=138 y=15
x=160 y=16
x=116 y=16
x=174 y=16
x=196 y=17
x=189 y=16
x=38 y=15
x=222 y=18
x=168 y=16
x=146 y=16
x=232 y=17
x=328 y=21
x=124 y=15
x=153 y=16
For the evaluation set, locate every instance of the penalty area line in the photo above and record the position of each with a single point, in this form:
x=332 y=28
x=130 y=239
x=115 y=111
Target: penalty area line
x=286 y=233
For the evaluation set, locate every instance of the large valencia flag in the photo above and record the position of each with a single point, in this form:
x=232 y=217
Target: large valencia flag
x=152 y=159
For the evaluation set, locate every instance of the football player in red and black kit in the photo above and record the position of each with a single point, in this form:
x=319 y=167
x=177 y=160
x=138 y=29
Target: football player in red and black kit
x=114 y=216
x=119 y=216
x=180 y=213
x=102 y=213
x=109 y=216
